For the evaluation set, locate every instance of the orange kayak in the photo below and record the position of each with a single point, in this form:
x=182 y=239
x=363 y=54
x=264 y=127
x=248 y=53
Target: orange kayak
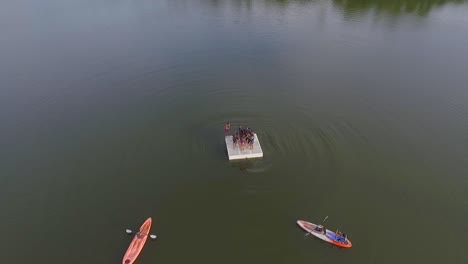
x=137 y=243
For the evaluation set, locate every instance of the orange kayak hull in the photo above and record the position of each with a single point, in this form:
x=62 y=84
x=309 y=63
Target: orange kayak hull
x=137 y=243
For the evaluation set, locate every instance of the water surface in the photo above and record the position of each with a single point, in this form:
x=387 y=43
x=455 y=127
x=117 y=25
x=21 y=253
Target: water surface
x=113 y=111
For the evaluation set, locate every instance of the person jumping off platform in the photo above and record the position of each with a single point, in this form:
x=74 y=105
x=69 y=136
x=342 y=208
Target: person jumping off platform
x=227 y=128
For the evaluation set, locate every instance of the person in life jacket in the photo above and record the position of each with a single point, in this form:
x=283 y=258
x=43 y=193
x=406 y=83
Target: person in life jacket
x=321 y=229
x=341 y=237
x=227 y=127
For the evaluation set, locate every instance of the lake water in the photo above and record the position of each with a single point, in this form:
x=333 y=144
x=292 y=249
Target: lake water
x=113 y=111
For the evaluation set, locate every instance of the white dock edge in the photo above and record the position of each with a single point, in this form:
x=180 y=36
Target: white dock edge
x=235 y=153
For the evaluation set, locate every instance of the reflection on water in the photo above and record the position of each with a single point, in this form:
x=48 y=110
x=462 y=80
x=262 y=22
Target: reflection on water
x=354 y=7
x=394 y=7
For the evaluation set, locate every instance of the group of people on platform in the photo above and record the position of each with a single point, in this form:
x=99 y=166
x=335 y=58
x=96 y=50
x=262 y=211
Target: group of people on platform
x=242 y=137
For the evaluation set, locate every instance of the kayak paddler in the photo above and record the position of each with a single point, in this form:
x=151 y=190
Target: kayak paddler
x=341 y=237
x=320 y=228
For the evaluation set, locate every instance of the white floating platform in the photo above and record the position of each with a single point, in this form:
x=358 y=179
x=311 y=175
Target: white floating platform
x=235 y=153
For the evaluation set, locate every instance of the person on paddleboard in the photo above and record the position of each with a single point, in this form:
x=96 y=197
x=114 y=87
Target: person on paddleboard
x=321 y=229
x=340 y=237
x=343 y=237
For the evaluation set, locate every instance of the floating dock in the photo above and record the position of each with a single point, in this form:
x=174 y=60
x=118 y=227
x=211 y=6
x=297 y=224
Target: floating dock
x=236 y=153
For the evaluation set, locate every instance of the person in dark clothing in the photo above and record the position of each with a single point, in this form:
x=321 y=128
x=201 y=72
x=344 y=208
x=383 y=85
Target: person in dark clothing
x=251 y=142
x=235 y=139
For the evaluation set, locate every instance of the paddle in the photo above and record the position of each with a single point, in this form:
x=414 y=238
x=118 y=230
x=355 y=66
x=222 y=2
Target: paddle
x=129 y=232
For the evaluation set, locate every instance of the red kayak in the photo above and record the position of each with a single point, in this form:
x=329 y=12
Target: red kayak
x=137 y=243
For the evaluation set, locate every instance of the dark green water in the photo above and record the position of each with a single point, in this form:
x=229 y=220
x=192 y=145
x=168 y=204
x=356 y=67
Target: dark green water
x=112 y=111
